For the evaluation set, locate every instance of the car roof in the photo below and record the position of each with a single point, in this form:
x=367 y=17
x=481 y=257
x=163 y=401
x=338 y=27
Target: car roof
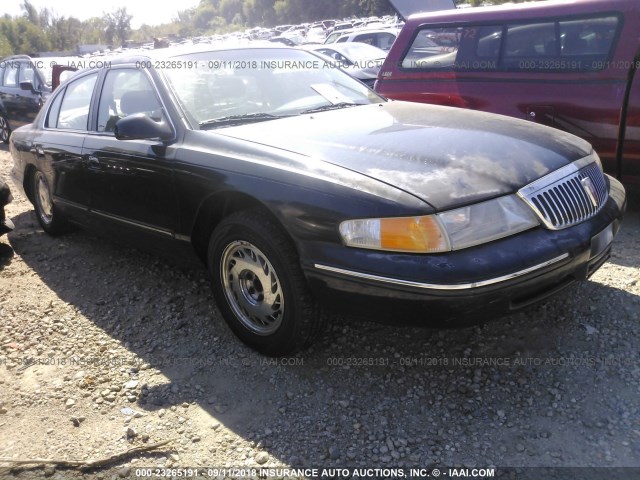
x=524 y=11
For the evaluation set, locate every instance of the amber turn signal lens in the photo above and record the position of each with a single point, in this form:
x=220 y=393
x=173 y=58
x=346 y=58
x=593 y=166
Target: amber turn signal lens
x=412 y=234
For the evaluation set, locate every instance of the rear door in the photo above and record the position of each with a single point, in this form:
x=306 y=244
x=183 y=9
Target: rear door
x=57 y=148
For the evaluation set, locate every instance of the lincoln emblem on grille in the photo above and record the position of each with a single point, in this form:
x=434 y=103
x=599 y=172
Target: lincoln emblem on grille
x=590 y=188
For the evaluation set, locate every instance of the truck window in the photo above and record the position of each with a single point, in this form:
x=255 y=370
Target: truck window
x=455 y=49
x=590 y=37
x=571 y=45
x=536 y=40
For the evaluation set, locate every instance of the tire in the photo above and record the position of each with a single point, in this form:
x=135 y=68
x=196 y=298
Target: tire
x=248 y=251
x=50 y=219
x=5 y=131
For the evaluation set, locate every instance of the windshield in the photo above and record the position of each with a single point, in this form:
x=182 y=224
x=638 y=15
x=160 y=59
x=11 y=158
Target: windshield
x=224 y=88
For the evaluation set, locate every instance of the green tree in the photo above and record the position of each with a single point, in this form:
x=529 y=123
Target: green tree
x=64 y=33
x=118 y=26
x=259 y=12
x=5 y=46
x=231 y=10
x=202 y=16
x=93 y=31
x=23 y=36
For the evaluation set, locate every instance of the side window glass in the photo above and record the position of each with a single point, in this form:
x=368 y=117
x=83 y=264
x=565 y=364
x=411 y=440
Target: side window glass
x=434 y=49
x=572 y=45
x=588 y=41
x=27 y=74
x=531 y=41
x=11 y=75
x=366 y=38
x=385 y=40
x=54 y=111
x=74 y=110
x=126 y=92
x=469 y=48
x=489 y=42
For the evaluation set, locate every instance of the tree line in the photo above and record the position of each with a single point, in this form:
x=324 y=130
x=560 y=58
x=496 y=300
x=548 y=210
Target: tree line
x=42 y=30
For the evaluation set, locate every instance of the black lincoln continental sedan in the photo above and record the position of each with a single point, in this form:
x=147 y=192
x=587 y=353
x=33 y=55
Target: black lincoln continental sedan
x=301 y=189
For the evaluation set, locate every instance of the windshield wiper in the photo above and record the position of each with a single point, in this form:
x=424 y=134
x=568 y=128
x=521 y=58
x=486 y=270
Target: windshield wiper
x=239 y=119
x=333 y=106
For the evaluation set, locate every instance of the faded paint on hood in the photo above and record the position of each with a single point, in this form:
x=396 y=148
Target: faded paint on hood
x=447 y=157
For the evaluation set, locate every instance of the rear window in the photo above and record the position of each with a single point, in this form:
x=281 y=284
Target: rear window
x=565 y=45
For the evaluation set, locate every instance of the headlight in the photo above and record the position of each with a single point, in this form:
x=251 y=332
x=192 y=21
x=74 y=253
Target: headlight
x=487 y=221
x=453 y=230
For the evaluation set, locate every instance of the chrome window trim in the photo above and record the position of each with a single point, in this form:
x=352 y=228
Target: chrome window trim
x=434 y=286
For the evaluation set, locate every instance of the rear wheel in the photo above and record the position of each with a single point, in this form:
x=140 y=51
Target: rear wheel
x=51 y=221
x=5 y=131
x=259 y=286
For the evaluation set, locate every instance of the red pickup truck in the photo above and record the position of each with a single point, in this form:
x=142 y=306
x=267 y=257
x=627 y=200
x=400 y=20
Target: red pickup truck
x=566 y=64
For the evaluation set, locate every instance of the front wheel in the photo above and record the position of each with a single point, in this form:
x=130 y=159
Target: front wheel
x=49 y=218
x=259 y=286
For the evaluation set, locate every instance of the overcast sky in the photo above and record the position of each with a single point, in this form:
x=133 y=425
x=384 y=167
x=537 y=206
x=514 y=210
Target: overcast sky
x=151 y=12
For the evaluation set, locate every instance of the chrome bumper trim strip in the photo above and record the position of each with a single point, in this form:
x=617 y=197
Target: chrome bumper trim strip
x=431 y=286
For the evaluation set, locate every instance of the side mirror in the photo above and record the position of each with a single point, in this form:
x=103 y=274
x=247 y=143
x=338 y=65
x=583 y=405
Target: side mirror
x=28 y=86
x=140 y=127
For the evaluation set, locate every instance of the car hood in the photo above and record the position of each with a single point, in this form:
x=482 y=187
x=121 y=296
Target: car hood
x=447 y=157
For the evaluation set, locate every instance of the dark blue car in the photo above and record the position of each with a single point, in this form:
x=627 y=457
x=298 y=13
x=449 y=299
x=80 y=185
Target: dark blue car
x=302 y=190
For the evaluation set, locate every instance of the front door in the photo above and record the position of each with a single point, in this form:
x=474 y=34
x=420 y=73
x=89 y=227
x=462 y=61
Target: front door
x=131 y=181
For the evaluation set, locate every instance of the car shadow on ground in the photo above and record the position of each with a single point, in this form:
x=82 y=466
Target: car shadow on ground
x=402 y=384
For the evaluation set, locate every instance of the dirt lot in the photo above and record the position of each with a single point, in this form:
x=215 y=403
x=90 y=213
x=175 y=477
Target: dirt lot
x=130 y=350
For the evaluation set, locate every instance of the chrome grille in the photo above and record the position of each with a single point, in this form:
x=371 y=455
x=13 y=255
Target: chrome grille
x=569 y=195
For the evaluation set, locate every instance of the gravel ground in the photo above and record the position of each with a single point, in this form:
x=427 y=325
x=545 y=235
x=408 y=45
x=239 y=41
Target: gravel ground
x=131 y=351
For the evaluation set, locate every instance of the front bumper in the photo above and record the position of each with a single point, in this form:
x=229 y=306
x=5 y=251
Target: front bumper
x=466 y=286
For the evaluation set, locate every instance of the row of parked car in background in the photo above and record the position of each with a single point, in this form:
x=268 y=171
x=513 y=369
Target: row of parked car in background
x=26 y=83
